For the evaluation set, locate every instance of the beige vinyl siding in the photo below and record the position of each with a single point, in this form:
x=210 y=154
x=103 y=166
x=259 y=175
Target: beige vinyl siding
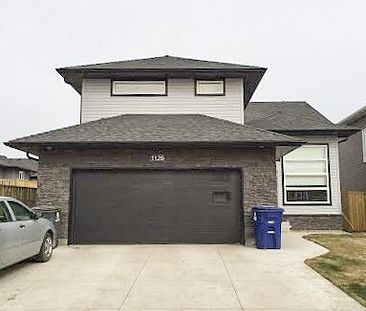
x=97 y=101
x=335 y=207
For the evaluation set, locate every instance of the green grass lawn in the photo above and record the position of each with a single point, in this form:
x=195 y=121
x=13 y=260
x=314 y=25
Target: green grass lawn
x=345 y=264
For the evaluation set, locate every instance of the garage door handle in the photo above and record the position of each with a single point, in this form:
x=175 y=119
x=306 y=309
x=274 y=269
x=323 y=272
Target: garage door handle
x=21 y=226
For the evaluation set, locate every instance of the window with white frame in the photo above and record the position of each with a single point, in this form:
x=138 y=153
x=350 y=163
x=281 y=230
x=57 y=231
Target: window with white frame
x=306 y=175
x=21 y=175
x=139 y=88
x=364 y=144
x=210 y=87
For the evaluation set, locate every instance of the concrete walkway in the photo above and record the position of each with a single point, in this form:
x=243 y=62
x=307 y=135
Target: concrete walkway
x=173 y=277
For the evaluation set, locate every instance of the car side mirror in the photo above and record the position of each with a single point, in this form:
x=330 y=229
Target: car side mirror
x=36 y=215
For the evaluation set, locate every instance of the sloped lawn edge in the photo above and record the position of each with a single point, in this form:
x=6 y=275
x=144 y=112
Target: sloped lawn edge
x=345 y=263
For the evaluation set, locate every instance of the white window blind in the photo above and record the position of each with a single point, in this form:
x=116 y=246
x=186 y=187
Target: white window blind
x=306 y=175
x=138 y=88
x=210 y=87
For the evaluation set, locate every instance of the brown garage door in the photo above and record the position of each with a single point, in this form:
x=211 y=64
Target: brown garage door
x=156 y=206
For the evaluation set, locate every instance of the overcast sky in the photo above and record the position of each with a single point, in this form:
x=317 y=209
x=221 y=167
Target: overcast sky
x=314 y=50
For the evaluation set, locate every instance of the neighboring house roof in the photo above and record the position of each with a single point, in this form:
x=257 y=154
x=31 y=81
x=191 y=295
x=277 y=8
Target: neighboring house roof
x=164 y=66
x=354 y=117
x=155 y=129
x=23 y=164
x=292 y=118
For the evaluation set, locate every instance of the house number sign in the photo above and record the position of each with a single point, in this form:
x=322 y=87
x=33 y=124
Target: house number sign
x=157 y=158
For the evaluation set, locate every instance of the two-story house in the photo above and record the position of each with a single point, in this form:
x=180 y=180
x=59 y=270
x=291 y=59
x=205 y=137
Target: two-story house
x=170 y=149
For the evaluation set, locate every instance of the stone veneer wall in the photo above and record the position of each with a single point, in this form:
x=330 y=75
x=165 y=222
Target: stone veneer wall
x=257 y=166
x=314 y=222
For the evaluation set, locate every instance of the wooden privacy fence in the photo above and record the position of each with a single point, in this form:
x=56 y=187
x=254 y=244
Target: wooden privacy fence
x=354 y=211
x=22 y=190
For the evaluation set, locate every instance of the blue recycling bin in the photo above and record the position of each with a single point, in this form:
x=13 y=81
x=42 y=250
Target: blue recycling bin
x=267 y=226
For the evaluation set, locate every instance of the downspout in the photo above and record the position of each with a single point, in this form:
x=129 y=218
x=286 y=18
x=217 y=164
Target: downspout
x=244 y=92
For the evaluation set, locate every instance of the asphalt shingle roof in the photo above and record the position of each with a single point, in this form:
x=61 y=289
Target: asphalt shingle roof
x=25 y=164
x=163 y=67
x=290 y=117
x=155 y=128
x=163 y=63
x=354 y=117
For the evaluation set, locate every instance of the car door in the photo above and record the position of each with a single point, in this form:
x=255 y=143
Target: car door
x=31 y=238
x=10 y=237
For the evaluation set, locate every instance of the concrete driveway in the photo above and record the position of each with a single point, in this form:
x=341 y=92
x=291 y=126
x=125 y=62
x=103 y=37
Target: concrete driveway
x=173 y=277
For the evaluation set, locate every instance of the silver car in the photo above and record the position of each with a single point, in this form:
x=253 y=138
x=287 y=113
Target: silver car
x=23 y=234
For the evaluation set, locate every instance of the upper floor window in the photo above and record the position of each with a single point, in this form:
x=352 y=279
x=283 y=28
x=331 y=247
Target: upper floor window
x=21 y=175
x=136 y=88
x=210 y=87
x=306 y=176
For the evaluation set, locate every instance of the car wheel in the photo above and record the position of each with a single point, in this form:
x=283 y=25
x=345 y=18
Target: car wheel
x=46 y=249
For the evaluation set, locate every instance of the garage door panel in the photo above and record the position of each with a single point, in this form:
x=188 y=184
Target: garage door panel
x=156 y=206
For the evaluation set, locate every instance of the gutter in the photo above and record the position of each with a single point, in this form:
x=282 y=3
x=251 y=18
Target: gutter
x=320 y=132
x=34 y=147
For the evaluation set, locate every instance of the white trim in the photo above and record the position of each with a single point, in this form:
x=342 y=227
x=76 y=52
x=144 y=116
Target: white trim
x=335 y=207
x=364 y=144
x=306 y=188
x=302 y=160
x=306 y=174
x=310 y=210
x=242 y=105
x=21 y=175
x=201 y=84
x=139 y=87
